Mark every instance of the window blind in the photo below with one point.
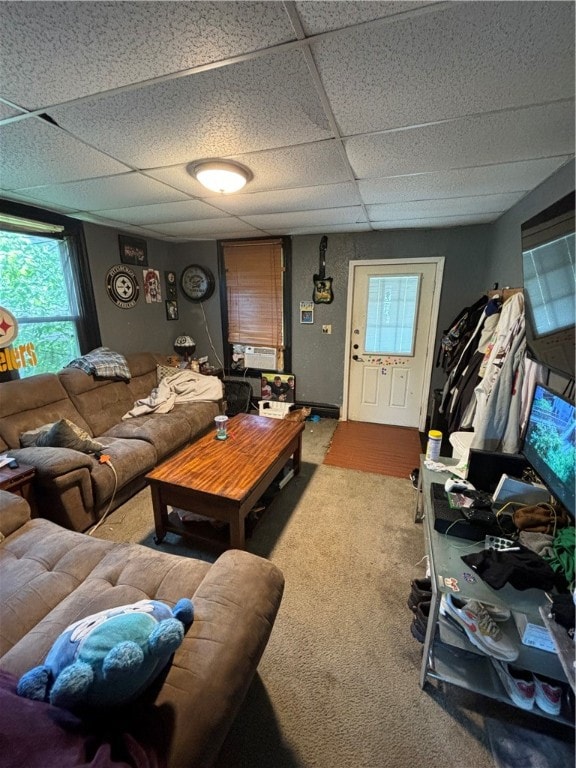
(254, 286)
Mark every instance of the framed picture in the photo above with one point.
(170, 280)
(171, 309)
(278, 386)
(307, 312)
(133, 251)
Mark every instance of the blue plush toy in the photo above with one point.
(109, 658)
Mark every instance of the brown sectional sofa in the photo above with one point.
(51, 577)
(72, 488)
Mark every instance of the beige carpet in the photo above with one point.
(391, 451)
(338, 683)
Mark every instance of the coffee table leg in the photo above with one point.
(297, 455)
(160, 514)
(237, 538)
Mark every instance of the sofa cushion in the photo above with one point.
(129, 459)
(29, 403)
(165, 431)
(165, 370)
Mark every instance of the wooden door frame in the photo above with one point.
(411, 264)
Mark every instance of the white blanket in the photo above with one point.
(182, 387)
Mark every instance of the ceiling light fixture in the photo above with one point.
(221, 176)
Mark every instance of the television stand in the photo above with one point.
(447, 571)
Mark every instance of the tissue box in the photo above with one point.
(534, 635)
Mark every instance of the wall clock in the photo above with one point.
(197, 282)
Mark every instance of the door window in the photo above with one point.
(391, 314)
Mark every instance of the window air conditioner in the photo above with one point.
(263, 358)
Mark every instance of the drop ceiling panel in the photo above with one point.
(319, 230)
(318, 17)
(447, 64)
(435, 221)
(526, 134)
(101, 194)
(55, 52)
(164, 213)
(508, 177)
(466, 206)
(308, 198)
(215, 228)
(303, 165)
(256, 104)
(7, 111)
(34, 152)
(293, 219)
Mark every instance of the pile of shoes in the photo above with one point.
(419, 604)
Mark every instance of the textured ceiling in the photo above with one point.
(352, 116)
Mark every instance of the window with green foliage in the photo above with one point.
(42, 287)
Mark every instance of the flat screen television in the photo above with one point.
(549, 443)
(549, 272)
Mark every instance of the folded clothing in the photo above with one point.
(522, 569)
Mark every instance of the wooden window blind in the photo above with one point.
(254, 288)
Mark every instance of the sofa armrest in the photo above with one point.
(53, 462)
(235, 608)
(14, 512)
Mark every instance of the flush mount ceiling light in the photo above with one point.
(220, 175)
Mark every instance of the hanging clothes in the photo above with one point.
(499, 394)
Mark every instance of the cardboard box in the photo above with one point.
(534, 635)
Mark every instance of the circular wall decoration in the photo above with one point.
(122, 286)
(197, 282)
(8, 327)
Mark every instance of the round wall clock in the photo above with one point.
(197, 282)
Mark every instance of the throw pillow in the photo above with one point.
(109, 658)
(28, 439)
(65, 434)
(165, 370)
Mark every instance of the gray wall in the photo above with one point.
(475, 258)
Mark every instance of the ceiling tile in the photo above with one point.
(100, 194)
(320, 16)
(57, 51)
(291, 219)
(447, 64)
(526, 134)
(308, 198)
(253, 105)
(436, 221)
(217, 228)
(312, 229)
(303, 165)
(7, 111)
(466, 182)
(449, 207)
(163, 213)
(34, 152)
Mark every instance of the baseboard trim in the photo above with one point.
(324, 410)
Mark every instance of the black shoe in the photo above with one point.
(420, 621)
(414, 477)
(420, 591)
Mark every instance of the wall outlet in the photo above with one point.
(326, 329)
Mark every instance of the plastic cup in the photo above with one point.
(221, 427)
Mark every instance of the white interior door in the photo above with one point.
(392, 313)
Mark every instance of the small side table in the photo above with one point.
(19, 481)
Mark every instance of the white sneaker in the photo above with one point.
(548, 695)
(518, 683)
(481, 629)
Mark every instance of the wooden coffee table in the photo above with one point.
(223, 479)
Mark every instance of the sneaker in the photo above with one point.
(497, 613)
(420, 621)
(518, 683)
(548, 695)
(481, 629)
(420, 591)
(414, 478)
